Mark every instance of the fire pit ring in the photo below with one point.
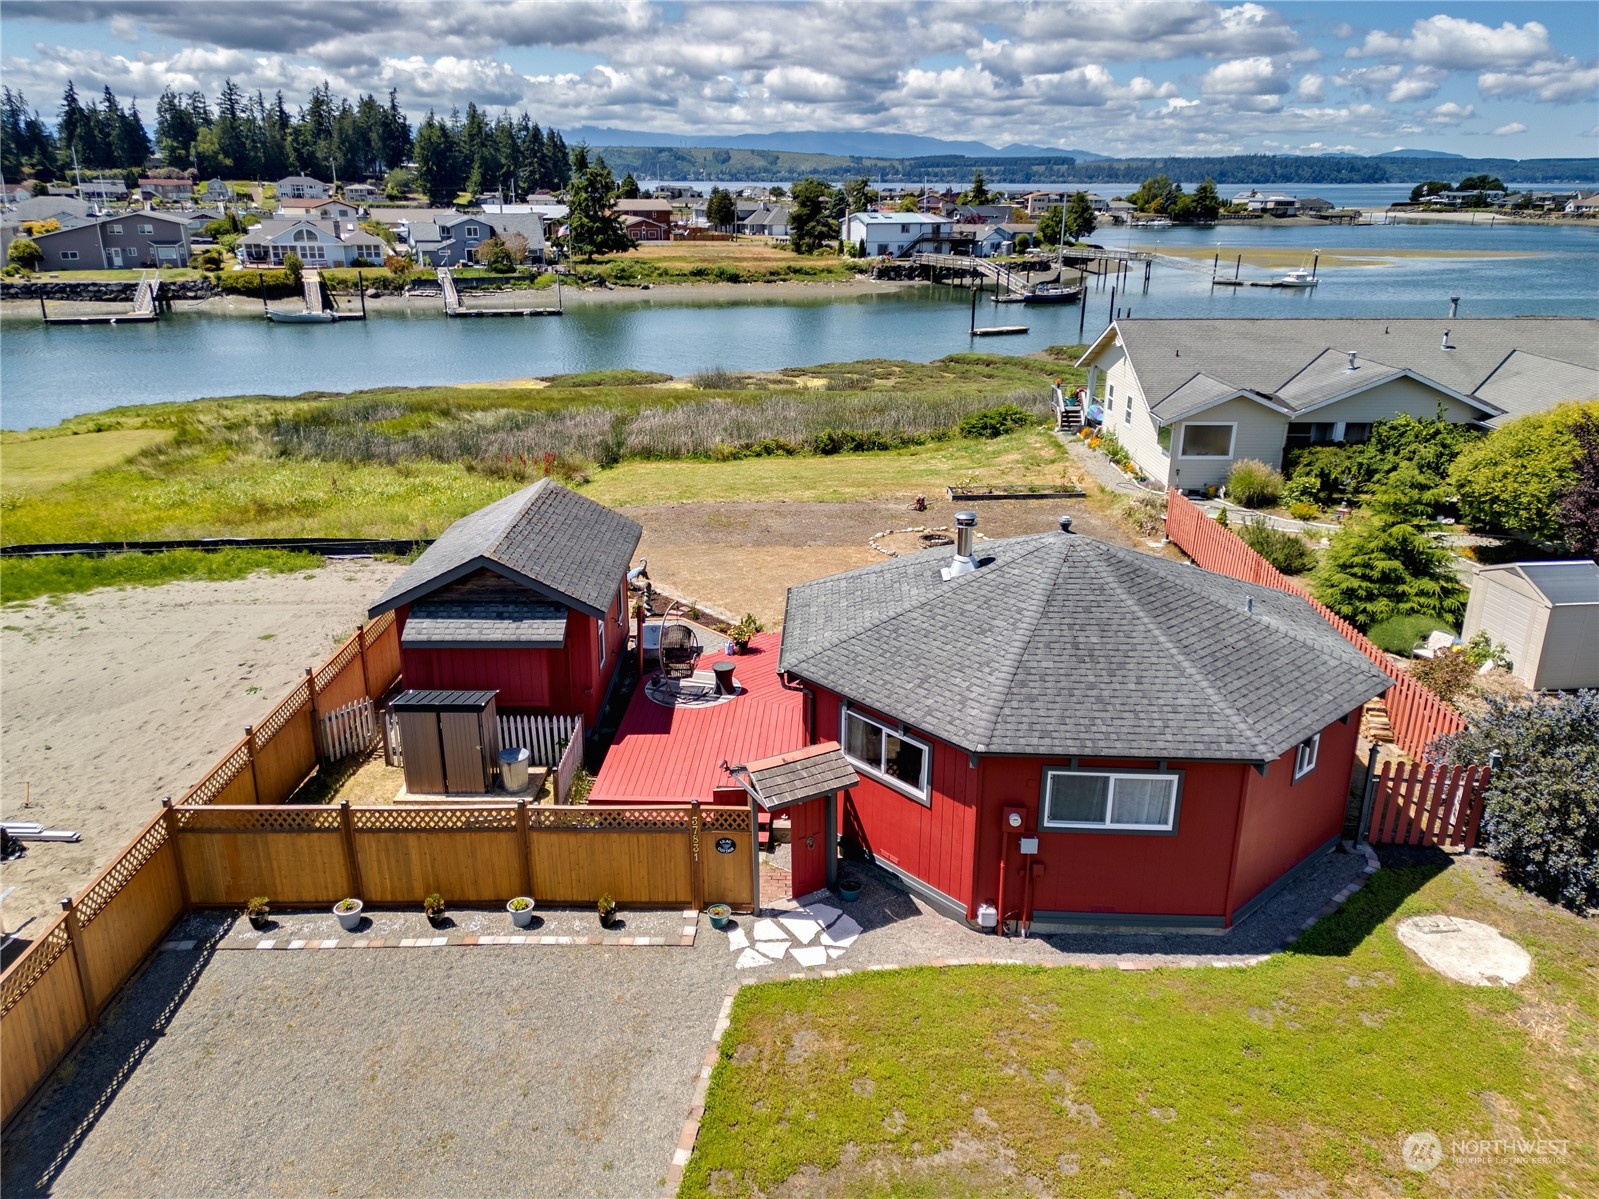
(929, 540)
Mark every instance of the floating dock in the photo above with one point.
(147, 304)
(453, 305)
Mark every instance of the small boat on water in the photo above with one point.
(1298, 278)
(306, 317)
(1154, 222)
(1052, 293)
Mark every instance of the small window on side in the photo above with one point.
(1305, 756)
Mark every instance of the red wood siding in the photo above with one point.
(932, 844)
(1284, 821)
(521, 676)
(1112, 873)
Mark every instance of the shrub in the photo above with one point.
(995, 422)
(716, 379)
(1304, 510)
(1446, 674)
(25, 252)
(1254, 484)
(1482, 650)
(272, 284)
(1513, 480)
(1541, 809)
(1148, 514)
(1114, 450)
(433, 904)
(1288, 552)
(1402, 634)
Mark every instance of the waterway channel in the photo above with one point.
(50, 373)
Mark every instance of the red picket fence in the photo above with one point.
(1418, 804)
(1416, 714)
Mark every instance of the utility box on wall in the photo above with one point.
(450, 741)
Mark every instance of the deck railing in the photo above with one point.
(1417, 715)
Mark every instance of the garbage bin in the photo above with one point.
(513, 768)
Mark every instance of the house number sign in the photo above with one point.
(725, 845)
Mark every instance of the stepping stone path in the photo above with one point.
(823, 933)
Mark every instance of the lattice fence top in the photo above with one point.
(222, 774)
(290, 707)
(121, 872)
(434, 820)
(378, 627)
(736, 819)
(31, 966)
(334, 666)
(671, 820)
(258, 819)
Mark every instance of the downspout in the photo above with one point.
(1238, 836)
(999, 897)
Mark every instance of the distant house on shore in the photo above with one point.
(116, 242)
(302, 187)
(898, 234)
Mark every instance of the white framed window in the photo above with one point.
(1208, 441)
(147, 229)
(69, 255)
(1305, 756)
(470, 231)
(117, 229)
(1127, 412)
(133, 253)
(621, 605)
(599, 631)
(1110, 800)
(887, 754)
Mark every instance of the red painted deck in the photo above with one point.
(675, 755)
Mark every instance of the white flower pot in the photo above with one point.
(351, 920)
(524, 918)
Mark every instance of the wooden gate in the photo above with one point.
(1417, 804)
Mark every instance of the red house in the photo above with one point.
(526, 597)
(1055, 731)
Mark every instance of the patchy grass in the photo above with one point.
(171, 274)
(1302, 1075)
(712, 262)
(36, 463)
(28, 578)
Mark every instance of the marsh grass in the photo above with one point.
(28, 578)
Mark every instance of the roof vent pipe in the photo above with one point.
(1454, 306)
(965, 532)
(1446, 345)
(1065, 524)
(1249, 604)
(1352, 365)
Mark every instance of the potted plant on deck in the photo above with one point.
(349, 913)
(257, 910)
(433, 905)
(849, 889)
(743, 631)
(607, 910)
(521, 909)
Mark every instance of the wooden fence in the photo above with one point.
(348, 730)
(1417, 715)
(275, 756)
(571, 759)
(662, 856)
(1418, 804)
(545, 737)
(55, 991)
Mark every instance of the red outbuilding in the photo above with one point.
(1051, 731)
(526, 597)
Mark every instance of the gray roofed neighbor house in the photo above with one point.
(1060, 645)
(545, 537)
(498, 625)
(1297, 364)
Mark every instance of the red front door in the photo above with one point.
(808, 830)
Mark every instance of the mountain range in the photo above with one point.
(862, 145)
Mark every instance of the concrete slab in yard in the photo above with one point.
(1465, 950)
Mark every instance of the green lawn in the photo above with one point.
(1300, 1076)
(127, 275)
(36, 463)
(28, 578)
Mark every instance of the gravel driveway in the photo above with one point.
(450, 1072)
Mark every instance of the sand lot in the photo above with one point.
(112, 699)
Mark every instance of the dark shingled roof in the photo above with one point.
(1061, 645)
(795, 777)
(444, 625)
(560, 544)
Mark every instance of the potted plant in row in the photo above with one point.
(521, 909)
(720, 914)
(433, 905)
(743, 631)
(607, 910)
(349, 913)
(257, 910)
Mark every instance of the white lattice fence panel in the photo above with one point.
(348, 730)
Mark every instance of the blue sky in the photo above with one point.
(1509, 79)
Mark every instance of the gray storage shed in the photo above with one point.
(1547, 616)
(450, 741)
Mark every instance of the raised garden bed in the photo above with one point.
(1016, 492)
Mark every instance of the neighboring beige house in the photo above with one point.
(1188, 398)
(317, 243)
(1546, 615)
(302, 187)
(319, 210)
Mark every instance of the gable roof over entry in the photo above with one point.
(1060, 645)
(549, 539)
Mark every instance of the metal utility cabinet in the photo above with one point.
(450, 741)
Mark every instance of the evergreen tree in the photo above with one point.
(978, 193)
(437, 172)
(1206, 203)
(1049, 226)
(810, 224)
(592, 226)
(1080, 219)
(721, 209)
(628, 188)
(1156, 194)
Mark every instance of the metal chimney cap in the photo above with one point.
(966, 520)
(1065, 524)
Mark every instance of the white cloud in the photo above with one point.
(1258, 76)
(1553, 82)
(1507, 130)
(1450, 113)
(1310, 87)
